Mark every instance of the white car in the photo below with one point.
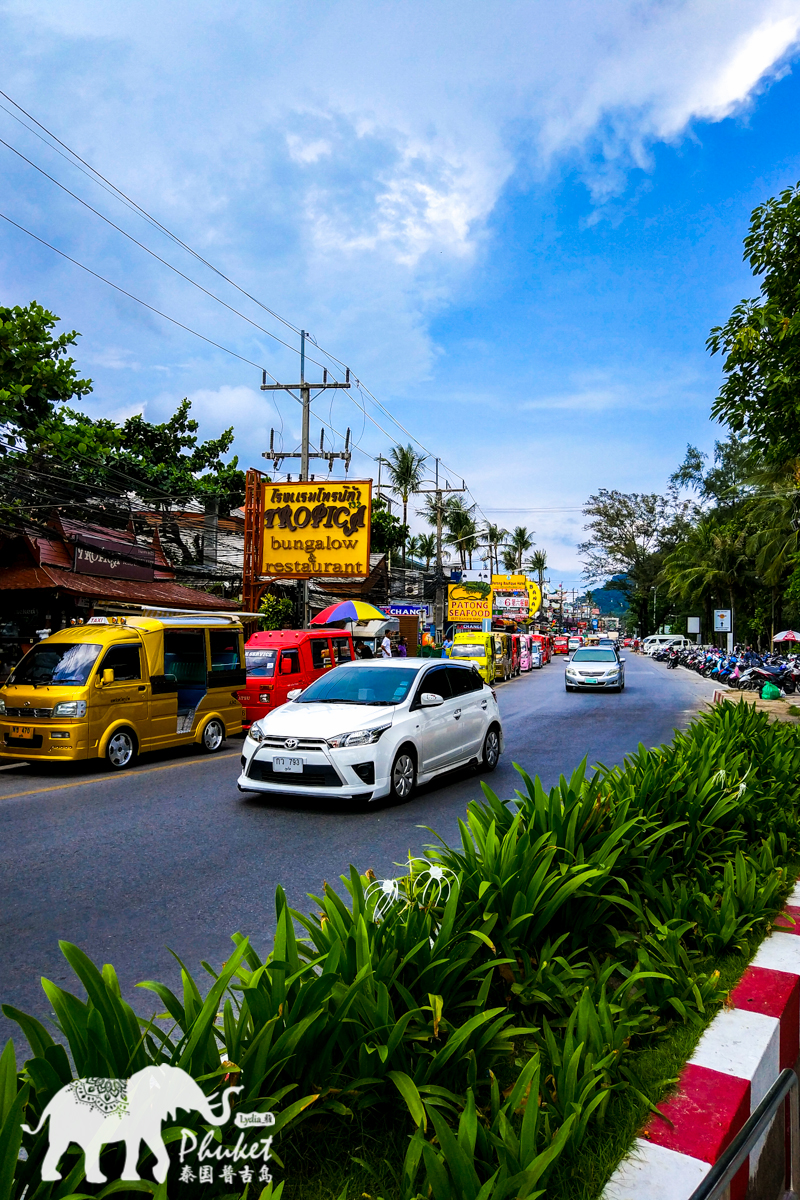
(375, 728)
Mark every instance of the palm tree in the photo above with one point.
(426, 548)
(413, 548)
(462, 532)
(538, 563)
(712, 562)
(405, 472)
(521, 541)
(493, 537)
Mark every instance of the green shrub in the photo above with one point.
(498, 1011)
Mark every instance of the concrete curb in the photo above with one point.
(737, 1059)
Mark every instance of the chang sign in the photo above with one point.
(314, 529)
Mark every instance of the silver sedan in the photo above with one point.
(595, 667)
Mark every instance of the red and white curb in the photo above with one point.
(737, 1060)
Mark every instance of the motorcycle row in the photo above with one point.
(744, 669)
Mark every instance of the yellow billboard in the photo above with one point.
(316, 529)
(469, 602)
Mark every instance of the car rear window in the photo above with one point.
(320, 654)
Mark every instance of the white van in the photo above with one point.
(657, 641)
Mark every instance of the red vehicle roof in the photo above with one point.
(291, 637)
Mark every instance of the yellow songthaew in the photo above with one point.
(120, 685)
(477, 648)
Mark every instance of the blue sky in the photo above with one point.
(516, 223)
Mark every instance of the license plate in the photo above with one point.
(22, 731)
(292, 766)
(590, 681)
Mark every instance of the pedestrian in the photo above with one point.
(402, 648)
(447, 646)
(363, 649)
(386, 646)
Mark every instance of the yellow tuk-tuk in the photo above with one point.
(120, 685)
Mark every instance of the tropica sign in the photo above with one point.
(313, 529)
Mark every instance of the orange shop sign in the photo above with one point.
(464, 604)
(316, 529)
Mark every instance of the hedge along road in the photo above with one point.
(171, 855)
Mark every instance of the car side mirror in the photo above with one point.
(430, 700)
(286, 666)
(623, 660)
(107, 677)
(294, 693)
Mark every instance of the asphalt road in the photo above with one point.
(171, 856)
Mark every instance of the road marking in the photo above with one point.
(58, 787)
(13, 766)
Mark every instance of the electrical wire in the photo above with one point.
(144, 214)
(173, 237)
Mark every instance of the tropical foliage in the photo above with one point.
(494, 1000)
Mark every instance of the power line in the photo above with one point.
(121, 195)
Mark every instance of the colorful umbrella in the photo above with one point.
(788, 635)
(349, 610)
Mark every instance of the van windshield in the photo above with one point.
(66, 663)
(260, 663)
(470, 651)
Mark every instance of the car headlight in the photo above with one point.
(360, 737)
(2, 708)
(70, 708)
(256, 732)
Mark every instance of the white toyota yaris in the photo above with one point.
(375, 728)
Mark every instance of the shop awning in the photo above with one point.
(131, 591)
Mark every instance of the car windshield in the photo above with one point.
(361, 685)
(594, 654)
(468, 651)
(67, 663)
(260, 663)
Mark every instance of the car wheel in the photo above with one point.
(404, 775)
(490, 755)
(121, 750)
(213, 736)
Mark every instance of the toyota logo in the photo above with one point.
(290, 743)
(27, 704)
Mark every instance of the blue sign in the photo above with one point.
(409, 610)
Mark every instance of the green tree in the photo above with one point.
(275, 611)
(36, 374)
(538, 564)
(493, 538)
(386, 530)
(405, 473)
(760, 395)
(519, 544)
(426, 544)
(630, 534)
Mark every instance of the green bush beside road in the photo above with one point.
(488, 1030)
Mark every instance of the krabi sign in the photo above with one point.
(316, 529)
(93, 1113)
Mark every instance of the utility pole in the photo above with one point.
(438, 492)
(305, 389)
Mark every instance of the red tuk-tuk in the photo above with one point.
(560, 644)
(279, 660)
